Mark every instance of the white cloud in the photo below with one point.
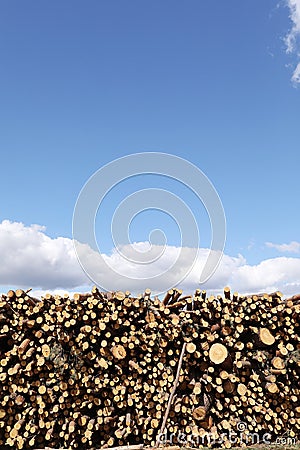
(293, 35)
(30, 258)
(296, 75)
(292, 247)
(270, 275)
(175, 265)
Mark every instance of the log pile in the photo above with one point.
(109, 369)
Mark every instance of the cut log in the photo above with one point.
(118, 351)
(266, 337)
(218, 353)
(191, 347)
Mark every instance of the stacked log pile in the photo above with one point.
(109, 369)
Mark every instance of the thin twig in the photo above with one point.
(173, 390)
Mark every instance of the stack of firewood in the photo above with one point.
(110, 369)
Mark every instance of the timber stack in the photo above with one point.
(110, 369)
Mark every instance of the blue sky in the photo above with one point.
(212, 82)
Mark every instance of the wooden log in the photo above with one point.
(190, 347)
(218, 353)
(278, 363)
(118, 352)
(199, 413)
(266, 337)
(167, 297)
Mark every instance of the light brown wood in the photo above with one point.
(118, 351)
(241, 389)
(278, 363)
(190, 347)
(266, 337)
(218, 353)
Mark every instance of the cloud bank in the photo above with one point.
(30, 258)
